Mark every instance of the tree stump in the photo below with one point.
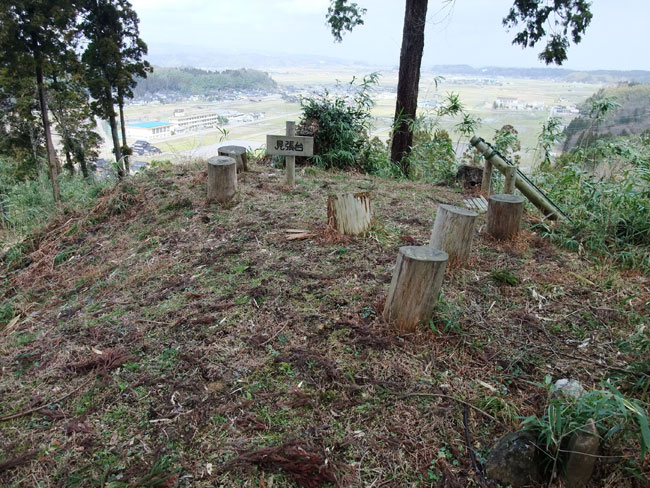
(452, 233)
(413, 293)
(222, 179)
(238, 153)
(510, 173)
(504, 215)
(349, 213)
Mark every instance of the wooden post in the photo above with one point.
(238, 153)
(349, 213)
(452, 233)
(510, 173)
(413, 293)
(290, 161)
(486, 184)
(222, 179)
(504, 215)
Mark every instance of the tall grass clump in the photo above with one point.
(605, 189)
(27, 204)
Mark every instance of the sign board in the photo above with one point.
(290, 145)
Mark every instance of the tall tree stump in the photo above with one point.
(222, 179)
(413, 293)
(238, 153)
(504, 215)
(452, 233)
(349, 213)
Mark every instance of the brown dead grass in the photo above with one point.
(217, 352)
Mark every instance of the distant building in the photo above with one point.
(191, 122)
(149, 130)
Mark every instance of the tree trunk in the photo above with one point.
(69, 165)
(349, 213)
(222, 179)
(504, 216)
(413, 293)
(120, 101)
(117, 149)
(82, 164)
(49, 145)
(452, 233)
(409, 79)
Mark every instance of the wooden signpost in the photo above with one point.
(290, 146)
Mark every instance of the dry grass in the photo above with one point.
(208, 350)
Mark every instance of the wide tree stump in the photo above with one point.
(413, 293)
(452, 233)
(238, 153)
(222, 179)
(504, 215)
(349, 213)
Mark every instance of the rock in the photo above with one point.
(515, 460)
(570, 389)
(583, 452)
(470, 176)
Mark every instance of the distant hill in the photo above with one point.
(632, 117)
(559, 74)
(193, 81)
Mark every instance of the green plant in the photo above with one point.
(616, 417)
(340, 124)
(504, 277)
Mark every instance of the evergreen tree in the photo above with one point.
(34, 34)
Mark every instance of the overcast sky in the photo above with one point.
(471, 33)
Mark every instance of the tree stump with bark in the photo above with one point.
(238, 153)
(413, 293)
(222, 179)
(504, 215)
(452, 233)
(349, 213)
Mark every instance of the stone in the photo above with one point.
(570, 389)
(470, 177)
(583, 453)
(515, 460)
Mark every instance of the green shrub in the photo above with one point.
(340, 125)
(616, 417)
(605, 190)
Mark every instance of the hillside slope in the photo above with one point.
(160, 338)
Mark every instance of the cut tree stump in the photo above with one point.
(504, 216)
(238, 153)
(349, 213)
(222, 179)
(452, 233)
(413, 293)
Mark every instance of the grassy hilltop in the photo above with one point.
(161, 341)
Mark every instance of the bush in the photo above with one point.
(605, 189)
(616, 417)
(340, 125)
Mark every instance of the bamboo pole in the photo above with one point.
(535, 196)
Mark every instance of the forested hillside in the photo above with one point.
(614, 111)
(192, 81)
